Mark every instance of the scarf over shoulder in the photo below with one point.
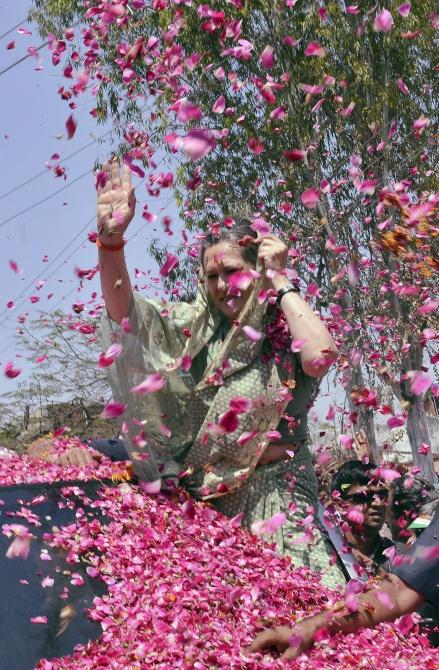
(180, 421)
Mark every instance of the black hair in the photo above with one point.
(410, 499)
(241, 230)
(351, 473)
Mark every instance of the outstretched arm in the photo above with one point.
(116, 206)
(399, 599)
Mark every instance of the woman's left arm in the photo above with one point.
(318, 350)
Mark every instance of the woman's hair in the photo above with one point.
(240, 232)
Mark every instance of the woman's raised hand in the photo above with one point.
(116, 202)
(273, 253)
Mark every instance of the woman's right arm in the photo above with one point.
(116, 207)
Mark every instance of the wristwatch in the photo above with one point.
(286, 289)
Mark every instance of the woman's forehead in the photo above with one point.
(221, 253)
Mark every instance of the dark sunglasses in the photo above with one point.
(366, 497)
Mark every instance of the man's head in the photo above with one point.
(407, 496)
(360, 497)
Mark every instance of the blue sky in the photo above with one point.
(32, 129)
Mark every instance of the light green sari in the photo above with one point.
(179, 421)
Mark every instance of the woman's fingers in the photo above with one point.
(273, 253)
(106, 169)
(115, 175)
(126, 178)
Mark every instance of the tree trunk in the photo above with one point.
(365, 417)
(418, 433)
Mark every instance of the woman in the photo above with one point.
(230, 400)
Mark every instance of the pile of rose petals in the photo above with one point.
(187, 588)
(24, 470)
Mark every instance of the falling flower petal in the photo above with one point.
(241, 280)
(186, 363)
(251, 333)
(170, 264)
(404, 9)
(20, 546)
(70, 127)
(310, 198)
(151, 488)
(10, 371)
(39, 619)
(396, 421)
(229, 421)
(294, 155)
(219, 105)
(261, 226)
(386, 474)
(198, 143)
(276, 521)
(314, 49)
(47, 582)
(246, 436)
(297, 345)
(420, 382)
(240, 404)
(153, 383)
(268, 59)
(355, 516)
(383, 21)
(107, 359)
(113, 410)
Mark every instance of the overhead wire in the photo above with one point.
(17, 25)
(20, 60)
(43, 200)
(75, 288)
(29, 54)
(57, 162)
(60, 253)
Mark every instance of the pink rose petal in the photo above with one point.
(229, 421)
(170, 264)
(420, 382)
(113, 410)
(314, 49)
(268, 58)
(240, 405)
(70, 127)
(219, 105)
(383, 22)
(404, 9)
(198, 143)
(153, 383)
(10, 371)
(251, 333)
(310, 197)
(151, 488)
(39, 619)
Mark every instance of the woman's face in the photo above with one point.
(221, 261)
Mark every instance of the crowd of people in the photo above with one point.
(216, 393)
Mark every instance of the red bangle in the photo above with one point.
(110, 247)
